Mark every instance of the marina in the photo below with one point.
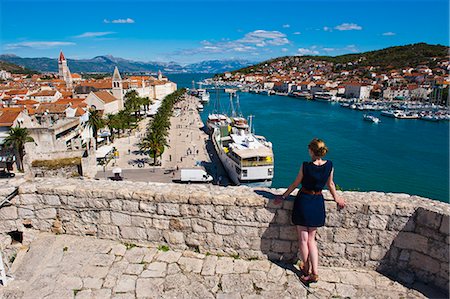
(362, 154)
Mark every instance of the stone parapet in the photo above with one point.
(403, 236)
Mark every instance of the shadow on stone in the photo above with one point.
(418, 255)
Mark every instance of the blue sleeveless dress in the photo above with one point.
(309, 209)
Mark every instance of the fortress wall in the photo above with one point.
(405, 237)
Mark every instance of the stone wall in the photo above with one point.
(405, 237)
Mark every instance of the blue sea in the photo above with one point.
(402, 156)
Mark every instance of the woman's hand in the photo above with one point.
(278, 199)
(340, 202)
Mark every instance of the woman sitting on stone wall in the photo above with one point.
(309, 207)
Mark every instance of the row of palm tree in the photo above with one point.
(155, 139)
(121, 121)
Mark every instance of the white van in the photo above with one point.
(195, 175)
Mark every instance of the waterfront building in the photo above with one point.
(357, 90)
(4, 75)
(63, 70)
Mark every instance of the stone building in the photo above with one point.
(63, 70)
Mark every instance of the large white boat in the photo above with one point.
(203, 95)
(371, 117)
(247, 158)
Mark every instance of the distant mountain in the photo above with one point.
(389, 58)
(106, 64)
(16, 69)
(216, 66)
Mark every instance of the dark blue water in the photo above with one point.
(407, 156)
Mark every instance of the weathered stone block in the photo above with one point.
(141, 221)
(148, 207)
(161, 223)
(130, 205)
(283, 217)
(116, 204)
(239, 214)
(246, 231)
(378, 222)
(377, 253)
(223, 229)
(89, 216)
(445, 226)
(52, 200)
(406, 240)
(108, 232)
(29, 199)
(48, 213)
(133, 233)
(424, 262)
(403, 209)
(188, 210)
(281, 246)
(153, 234)
(223, 199)
(174, 237)
(200, 198)
(271, 232)
(8, 212)
(332, 249)
(382, 208)
(26, 212)
(346, 235)
(202, 226)
(265, 215)
(288, 233)
(169, 209)
(399, 223)
(104, 217)
(120, 218)
(428, 218)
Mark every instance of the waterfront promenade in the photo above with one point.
(187, 148)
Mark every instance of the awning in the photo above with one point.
(102, 151)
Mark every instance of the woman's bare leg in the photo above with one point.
(303, 233)
(313, 251)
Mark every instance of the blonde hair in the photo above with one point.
(318, 147)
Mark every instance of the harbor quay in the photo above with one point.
(72, 238)
(187, 148)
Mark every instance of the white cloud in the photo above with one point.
(119, 21)
(348, 26)
(284, 49)
(286, 26)
(251, 42)
(38, 45)
(327, 29)
(94, 34)
(389, 33)
(328, 49)
(297, 33)
(261, 38)
(352, 48)
(306, 51)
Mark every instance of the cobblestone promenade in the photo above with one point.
(63, 266)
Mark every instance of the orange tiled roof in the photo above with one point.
(17, 92)
(7, 117)
(75, 75)
(79, 112)
(51, 108)
(27, 102)
(43, 93)
(105, 96)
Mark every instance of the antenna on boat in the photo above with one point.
(252, 130)
(238, 106)
(193, 84)
(233, 112)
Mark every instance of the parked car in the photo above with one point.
(195, 175)
(6, 174)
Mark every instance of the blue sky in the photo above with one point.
(191, 31)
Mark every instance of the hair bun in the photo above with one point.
(318, 147)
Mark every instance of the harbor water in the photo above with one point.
(397, 155)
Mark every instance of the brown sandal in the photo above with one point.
(302, 267)
(310, 278)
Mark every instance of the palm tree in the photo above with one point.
(112, 123)
(154, 142)
(17, 138)
(95, 122)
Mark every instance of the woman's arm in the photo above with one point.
(332, 187)
(291, 188)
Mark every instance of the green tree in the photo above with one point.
(17, 137)
(112, 123)
(154, 142)
(95, 122)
